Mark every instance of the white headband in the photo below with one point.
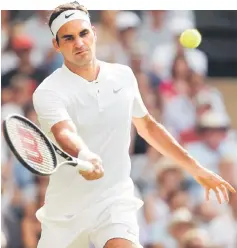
(68, 16)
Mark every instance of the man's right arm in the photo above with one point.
(65, 134)
(53, 117)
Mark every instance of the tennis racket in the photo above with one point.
(34, 150)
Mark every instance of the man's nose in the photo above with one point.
(79, 42)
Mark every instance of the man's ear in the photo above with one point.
(94, 31)
(55, 45)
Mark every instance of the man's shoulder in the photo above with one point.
(50, 86)
(51, 81)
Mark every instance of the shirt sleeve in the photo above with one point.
(139, 108)
(49, 108)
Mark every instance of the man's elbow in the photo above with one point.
(148, 127)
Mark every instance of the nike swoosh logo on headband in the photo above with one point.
(67, 16)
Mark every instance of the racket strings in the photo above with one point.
(31, 146)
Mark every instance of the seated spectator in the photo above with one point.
(155, 31)
(196, 238)
(212, 129)
(179, 199)
(228, 169)
(22, 87)
(178, 110)
(163, 56)
(178, 82)
(223, 231)
(107, 35)
(206, 97)
(5, 26)
(143, 171)
(30, 225)
(169, 178)
(127, 23)
(181, 222)
(169, 233)
(206, 211)
(22, 45)
(9, 56)
(43, 52)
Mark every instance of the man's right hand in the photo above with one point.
(96, 173)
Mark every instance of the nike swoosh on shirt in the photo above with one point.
(69, 216)
(116, 90)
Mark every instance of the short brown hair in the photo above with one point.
(64, 7)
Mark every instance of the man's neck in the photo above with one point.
(88, 72)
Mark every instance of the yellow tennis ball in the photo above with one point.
(190, 38)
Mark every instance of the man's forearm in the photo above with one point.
(159, 138)
(70, 142)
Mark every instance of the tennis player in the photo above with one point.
(87, 107)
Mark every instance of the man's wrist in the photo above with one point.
(86, 154)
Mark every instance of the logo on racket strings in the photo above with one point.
(30, 145)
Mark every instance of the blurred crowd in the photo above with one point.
(172, 82)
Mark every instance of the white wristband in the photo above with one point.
(86, 155)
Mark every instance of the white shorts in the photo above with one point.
(95, 225)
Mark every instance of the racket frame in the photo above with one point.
(83, 165)
(15, 152)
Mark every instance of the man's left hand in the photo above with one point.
(211, 181)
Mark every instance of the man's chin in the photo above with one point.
(83, 60)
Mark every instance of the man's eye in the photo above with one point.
(84, 33)
(69, 38)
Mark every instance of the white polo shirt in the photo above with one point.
(102, 112)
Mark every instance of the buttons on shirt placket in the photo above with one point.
(98, 97)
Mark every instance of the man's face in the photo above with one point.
(76, 42)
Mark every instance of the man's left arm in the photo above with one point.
(158, 137)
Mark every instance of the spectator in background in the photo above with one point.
(137, 58)
(9, 56)
(127, 23)
(205, 212)
(223, 231)
(206, 96)
(107, 35)
(228, 169)
(177, 84)
(179, 112)
(196, 238)
(22, 88)
(5, 26)
(175, 89)
(6, 95)
(44, 55)
(150, 98)
(179, 199)
(154, 30)
(169, 234)
(212, 129)
(23, 45)
(169, 178)
(143, 171)
(181, 222)
(164, 54)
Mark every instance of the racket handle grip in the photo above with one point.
(84, 165)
